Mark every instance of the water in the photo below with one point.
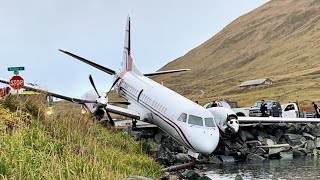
(301, 168)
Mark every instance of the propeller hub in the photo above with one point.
(102, 100)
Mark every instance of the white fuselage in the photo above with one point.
(162, 106)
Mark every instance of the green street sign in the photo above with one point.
(15, 68)
(16, 72)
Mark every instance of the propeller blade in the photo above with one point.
(110, 118)
(120, 102)
(93, 85)
(114, 83)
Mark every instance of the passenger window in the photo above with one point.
(183, 117)
(195, 120)
(209, 122)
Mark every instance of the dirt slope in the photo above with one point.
(279, 40)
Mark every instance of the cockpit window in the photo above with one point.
(209, 122)
(195, 120)
(183, 117)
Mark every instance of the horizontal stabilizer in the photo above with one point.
(166, 72)
(76, 100)
(102, 68)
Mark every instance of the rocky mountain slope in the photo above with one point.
(279, 40)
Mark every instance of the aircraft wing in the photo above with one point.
(67, 98)
(109, 107)
(122, 111)
(246, 120)
(166, 72)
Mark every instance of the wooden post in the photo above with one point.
(179, 167)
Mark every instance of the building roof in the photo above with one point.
(254, 82)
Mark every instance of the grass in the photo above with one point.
(67, 146)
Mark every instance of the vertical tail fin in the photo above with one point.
(127, 62)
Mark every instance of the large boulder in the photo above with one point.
(315, 131)
(276, 150)
(292, 136)
(245, 151)
(254, 143)
(182, 157)
(268, 142)
(158, 137)
(286, 155)
(238, 177)
(165, 158)
(317, 142)
(214, 160)
(246, 136)
(297, 153)
(227, 159)
(260, 151)
(204, 178)
(273, 138)
(254, 157)
(308, 136)
(237, 146)
(290, 128)
(192, 175)
(279, 133)
(310, 145)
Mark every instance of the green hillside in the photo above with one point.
(66, 146)
(279, 40)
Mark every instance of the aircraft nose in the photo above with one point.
(205, 141)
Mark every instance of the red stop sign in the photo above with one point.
(16, 82)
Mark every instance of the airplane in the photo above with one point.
(188, 123)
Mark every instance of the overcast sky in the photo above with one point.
(31, 32)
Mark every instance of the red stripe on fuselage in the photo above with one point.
(122, 73)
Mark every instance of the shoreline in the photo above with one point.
(255, 143)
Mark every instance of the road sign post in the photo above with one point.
(15, 68)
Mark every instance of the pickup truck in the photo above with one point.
(291, 110)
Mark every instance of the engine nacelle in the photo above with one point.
(226, 119)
